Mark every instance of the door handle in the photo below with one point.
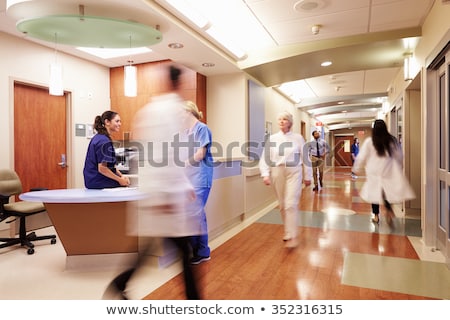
(63, 163)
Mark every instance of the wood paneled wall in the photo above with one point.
(152, 80)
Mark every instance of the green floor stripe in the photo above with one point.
(409, 276)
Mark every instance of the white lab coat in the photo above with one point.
(169, 208)
(382, 174)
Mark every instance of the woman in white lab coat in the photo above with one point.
(381, 157)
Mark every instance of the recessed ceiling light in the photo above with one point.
(208, 64)
(341, 102)
(175, 45)
(326, 63)
(106, 53)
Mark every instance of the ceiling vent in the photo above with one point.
(308, 5)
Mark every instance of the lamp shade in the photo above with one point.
(56, 80)
(130, 81)
(407, 67)
(89, 31)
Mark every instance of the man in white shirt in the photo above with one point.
(318, 150)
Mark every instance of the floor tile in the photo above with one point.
(415, 277)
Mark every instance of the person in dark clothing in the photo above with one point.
(100, 165)
(354, 151)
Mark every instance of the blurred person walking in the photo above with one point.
(166, 208)
(281, 165)
(382, 158)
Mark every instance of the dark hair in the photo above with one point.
(174, 73)
(382, 140)
(99, 122)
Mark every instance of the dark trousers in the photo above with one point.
(182, 243)
(376, 206)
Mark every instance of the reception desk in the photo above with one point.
(90, 223)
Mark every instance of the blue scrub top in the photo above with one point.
(355, 149)
(100, 150)
(201, 174)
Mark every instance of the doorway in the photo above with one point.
(40, 142)
(443, 127)
(39, 138)
(342, 150)
(437, 155)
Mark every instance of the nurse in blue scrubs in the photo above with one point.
(199, 170)
(100, 165)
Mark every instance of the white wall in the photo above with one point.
(435, 27)
(227, 103)
(276, 103)
(27, 62)
(227, 112)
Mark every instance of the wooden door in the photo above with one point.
(342, 151)
(39, 138)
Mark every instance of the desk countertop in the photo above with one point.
(83, 195)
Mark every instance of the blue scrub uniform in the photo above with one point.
(201, 176)
(100, 150)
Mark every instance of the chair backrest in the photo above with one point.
(9, 183)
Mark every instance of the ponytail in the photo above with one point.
(99, 122)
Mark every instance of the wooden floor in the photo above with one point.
(254, 264)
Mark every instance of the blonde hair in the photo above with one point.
(193, 109)
(288, 116)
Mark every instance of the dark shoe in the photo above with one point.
(316, 188)
(114, 291)
(199, 259)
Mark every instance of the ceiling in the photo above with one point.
(365, 40)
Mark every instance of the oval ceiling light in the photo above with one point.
(77, 30)
(326, 63)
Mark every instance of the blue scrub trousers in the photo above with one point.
(200, 243)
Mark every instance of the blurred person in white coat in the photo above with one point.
(382, 158)
(281, 165)
(165, 208)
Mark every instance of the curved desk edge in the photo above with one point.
(83, 195)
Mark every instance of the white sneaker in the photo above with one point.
(291, 243)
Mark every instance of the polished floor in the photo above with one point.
(341, 255)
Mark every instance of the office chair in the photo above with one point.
(10, 185)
